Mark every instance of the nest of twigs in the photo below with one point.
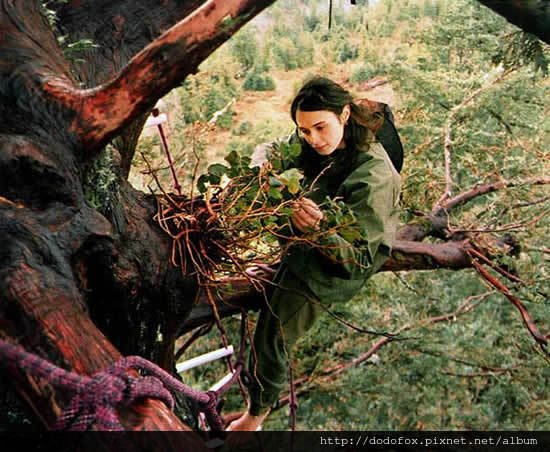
(243, 217)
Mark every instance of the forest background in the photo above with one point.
(442, 65)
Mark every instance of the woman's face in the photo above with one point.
(323, 129)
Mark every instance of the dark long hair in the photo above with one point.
(321, 93)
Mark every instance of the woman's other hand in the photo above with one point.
(306, 215)
(260, 271)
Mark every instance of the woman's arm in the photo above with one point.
(372, 193)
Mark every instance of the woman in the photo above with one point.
(340, 154)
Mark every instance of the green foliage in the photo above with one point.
(438, 378)
(312, 22)
(202, 96)
(244, 48)
(290, 179)
(287, 180)
(258, 82)
(345, 50)
(243, 129)
(431, 8)
(72, 50)
(257, 202)
(339, 216)
(522, 49)
(285, 54)
(225, 120)
(466, 35)
(50, 14)
(289, 54)
(101, 182)
(363, 73)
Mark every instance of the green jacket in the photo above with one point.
(369, 185)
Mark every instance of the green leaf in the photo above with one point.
(274, 182)
(213, 179)
(274, 194)
(287, 211)
(217, 169)
(291, 178)
(290, 151)
(201, 183)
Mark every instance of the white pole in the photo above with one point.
(203, 359)
(156, 120)
(223, 381)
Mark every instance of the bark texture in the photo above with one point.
(80, 285)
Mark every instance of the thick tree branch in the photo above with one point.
(103, 112)
(408, 255)
(532, 16)
(120, 30)
(436, 223)
(42, 307)
(483, 189)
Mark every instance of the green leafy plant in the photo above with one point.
(258, 82)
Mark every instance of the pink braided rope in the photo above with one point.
(97, 396)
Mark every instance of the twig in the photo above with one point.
(508, 227)
(543, 249)
(195, 170)
(153, 174)
(330, 374)
(529, 203)
(527, 319)
(495, 267)
(483, 189)
(199, 332)
(461, 360)
(411, 288)
(447, 140)
(492, 373)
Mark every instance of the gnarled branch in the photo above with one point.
(120, 30)
(532, 16)
(483, 189)
(152, 73)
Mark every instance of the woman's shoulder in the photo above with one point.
(373, 166)
(376, 156)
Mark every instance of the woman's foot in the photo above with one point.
(247, 423)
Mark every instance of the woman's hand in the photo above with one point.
(306, 215)
(260, 271)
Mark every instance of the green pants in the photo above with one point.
(292, 310)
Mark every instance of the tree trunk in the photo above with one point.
(77, 286)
